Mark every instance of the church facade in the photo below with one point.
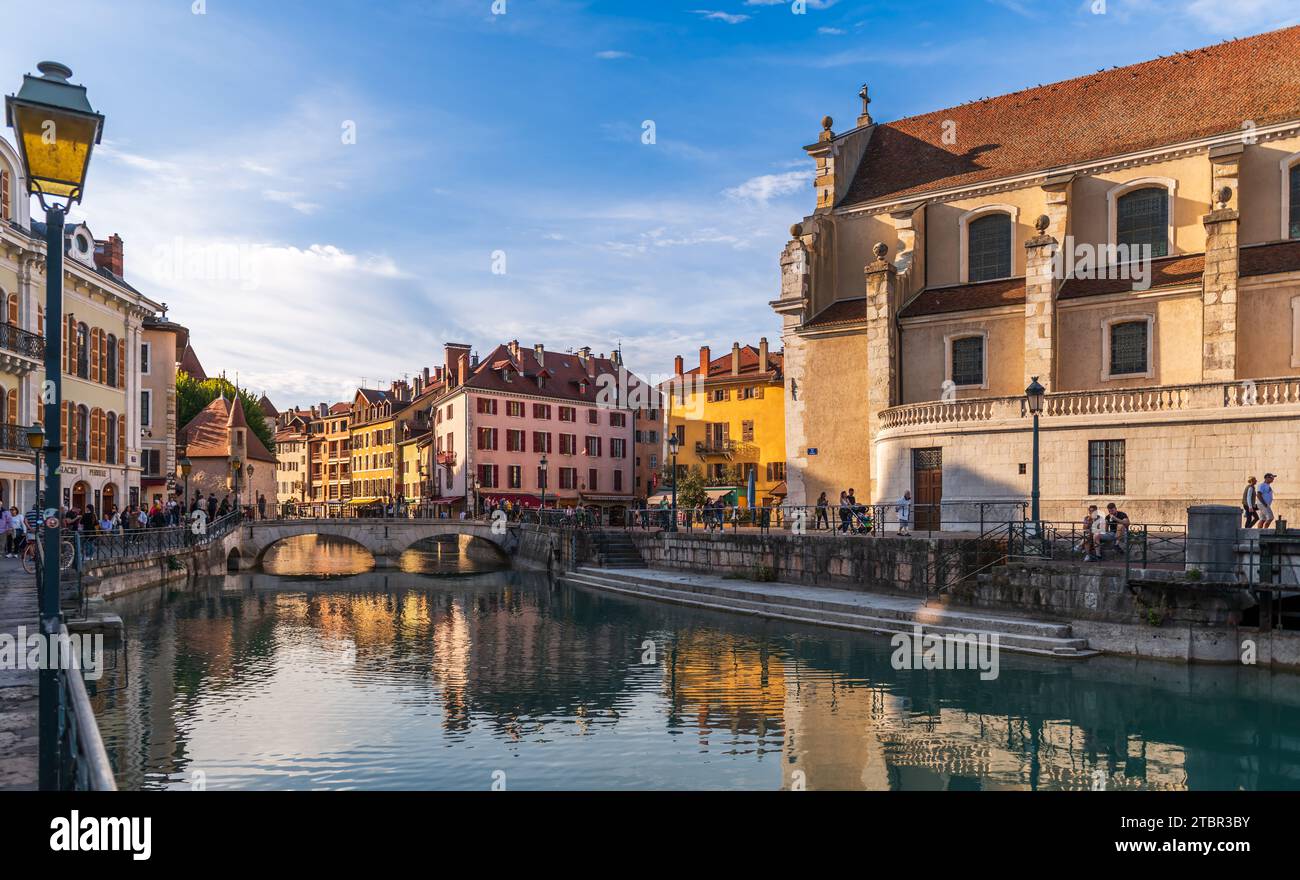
(1131, 238)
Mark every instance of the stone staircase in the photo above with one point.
(618, 550)
(843, 609)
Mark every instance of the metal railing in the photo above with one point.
(83, 761)
(22, 342)
(13, 438)
(860, 519)
(105, 547)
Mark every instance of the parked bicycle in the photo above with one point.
(67, 555)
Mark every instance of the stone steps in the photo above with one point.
(855, 611)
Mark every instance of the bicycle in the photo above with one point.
(67, 555)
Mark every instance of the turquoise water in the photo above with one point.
(402, 680)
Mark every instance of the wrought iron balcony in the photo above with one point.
(726, 448)
(447, 458)
(20, 351)
(13, 441)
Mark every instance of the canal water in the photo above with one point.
(445, 674)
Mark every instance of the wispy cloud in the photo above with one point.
(1240, 17)
(612, 55)
(728, 17)
(765, 187)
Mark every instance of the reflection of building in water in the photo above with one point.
(725, 684)
(829, 737)
(960, 749)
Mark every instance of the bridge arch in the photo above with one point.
(385, 539)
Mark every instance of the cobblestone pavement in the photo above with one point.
(18, 695)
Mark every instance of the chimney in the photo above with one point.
(323, 409)
(108, 255)
(452, 352)
(762, 355)
(424, 374)
(705, 357)
(678, 364)
(735, 358)
(417, 386)
(514, 349)
(617, 357)
(461, 369)
(540, 354)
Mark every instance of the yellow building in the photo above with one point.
(729, 417)
(381, 420)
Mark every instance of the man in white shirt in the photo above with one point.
(1264, 501)
(904, 508)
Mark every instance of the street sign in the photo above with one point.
(52, 522)
(812, 450)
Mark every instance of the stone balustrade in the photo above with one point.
(1120, 401)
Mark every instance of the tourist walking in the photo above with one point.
(1264, 501)
(212, 506)
(261, 506)
(904, 510)
(19, 532)
(6, 526)
(823, 514)
(1249, 503)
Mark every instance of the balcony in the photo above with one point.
(20, 351)
(1143, 404)
(13, 442)
(447, 458)
(711, 448)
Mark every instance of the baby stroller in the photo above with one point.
(861, 522)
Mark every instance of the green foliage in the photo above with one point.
(192, 396)
(690, 489)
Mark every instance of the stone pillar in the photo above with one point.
(1211, 540)
(794, 307)
(882, 344)
(1040, 305)
(1219, 283)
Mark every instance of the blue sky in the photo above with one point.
(308, 264)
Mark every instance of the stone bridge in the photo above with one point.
(386, 539)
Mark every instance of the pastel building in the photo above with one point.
(502, 414)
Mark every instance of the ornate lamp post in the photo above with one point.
(36, 439)
(56, 131)
(1035, 396)
(672, 449)
(236, 470)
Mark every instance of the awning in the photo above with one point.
(779, 490)
(622, 499)
(445, 499)
(360, 501)
(715, 494)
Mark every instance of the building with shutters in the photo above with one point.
(1131, 238)
(103, 334)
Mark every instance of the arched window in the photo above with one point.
(83, 433)
(1142, 218)
(110, 439)
(83, 351)
(110, 348)
(987, 237)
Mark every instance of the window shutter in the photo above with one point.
(103, 356)
(121, 363)
(12, 312)
(63, 427)
(94, 435)
(94, 354)
(40, 320)
(12, 403)
(4, 194)
(67, 340)
(121, 440)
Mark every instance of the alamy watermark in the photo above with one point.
(35, 650)
(921, 650)
(1113, 262)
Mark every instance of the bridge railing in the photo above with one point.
(104, 547)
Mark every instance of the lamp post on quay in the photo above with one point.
(672, 449)
(541, 514)
(56, 131)
(36, 439)
(1035, 396)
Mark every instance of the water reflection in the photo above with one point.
(388, 680)
(322, 556)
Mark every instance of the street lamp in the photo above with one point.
(36, 439)
(1035, 396)
(672, 449)
(541, 513)
(236, 466)
(56, 131)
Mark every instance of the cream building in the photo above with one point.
(103, 332)
(954, 255)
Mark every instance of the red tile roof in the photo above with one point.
(1165, 272)
(720, 367)
(963, 297)
(190, 364)
(845, 311)
(1182, 97)
(1270, 259)
(208, 436)
(562, 372)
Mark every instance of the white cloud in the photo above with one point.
(612, 55)
(728, 17)
(769, 186)
(831, 31)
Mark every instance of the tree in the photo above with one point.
(192, 396)
(690, 489)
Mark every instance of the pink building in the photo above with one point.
(506, 412)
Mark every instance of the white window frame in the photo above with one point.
(146, 409)
(1113, 194)
(1288, 162)
(948, 340)
(146, 356)
(1106, 324)
(963, 225)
